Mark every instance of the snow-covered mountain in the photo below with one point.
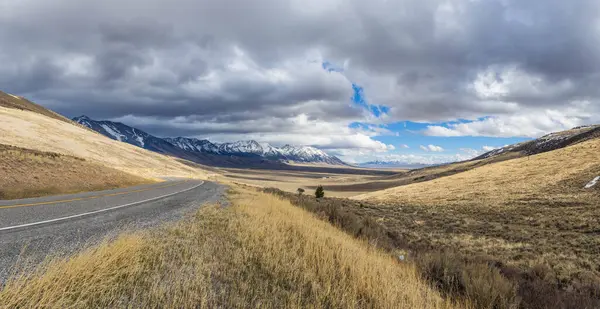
(251, 148)
(309, 154)
(241, 148)
(187, 148)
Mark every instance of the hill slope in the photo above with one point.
(12, 101)
(28, 173)
(557, 175)
(33, 130)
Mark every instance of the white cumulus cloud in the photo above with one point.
(527, 124)
(432, 148)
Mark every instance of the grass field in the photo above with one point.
(30, 173)
(527, 212)
(258, 252)
(530, 257)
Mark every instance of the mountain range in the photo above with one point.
(207, 152)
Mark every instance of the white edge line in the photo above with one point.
(8, 228)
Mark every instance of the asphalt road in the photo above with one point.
(31, 229)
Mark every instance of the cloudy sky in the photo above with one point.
(420, 81)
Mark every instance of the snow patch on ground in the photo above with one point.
(139, 139)
(112, 132)
(592, 183)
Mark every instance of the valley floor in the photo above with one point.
(309, 177)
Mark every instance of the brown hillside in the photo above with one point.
(30, 173)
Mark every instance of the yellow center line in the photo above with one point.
(89, 197)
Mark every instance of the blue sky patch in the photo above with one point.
(358, 98)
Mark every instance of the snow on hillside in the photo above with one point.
(305, 154)
(115, 130)
(241, 148)
(194, 144)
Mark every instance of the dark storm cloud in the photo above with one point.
(231, 61)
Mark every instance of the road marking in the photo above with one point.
(8, 228)
(89, 197)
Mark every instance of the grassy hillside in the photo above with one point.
(20, 103)
(525, 257)
(37, 131)
(258, 252)
(530, 216)
(552, 177)
(30, 173)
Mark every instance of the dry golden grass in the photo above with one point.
(543, 256)
(556, 176)
(12, 101)
(30, 173)
(259, 252)
(36, 131)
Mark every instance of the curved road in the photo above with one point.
(31, 229)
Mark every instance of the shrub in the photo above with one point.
(319, 193)
(480, 284)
